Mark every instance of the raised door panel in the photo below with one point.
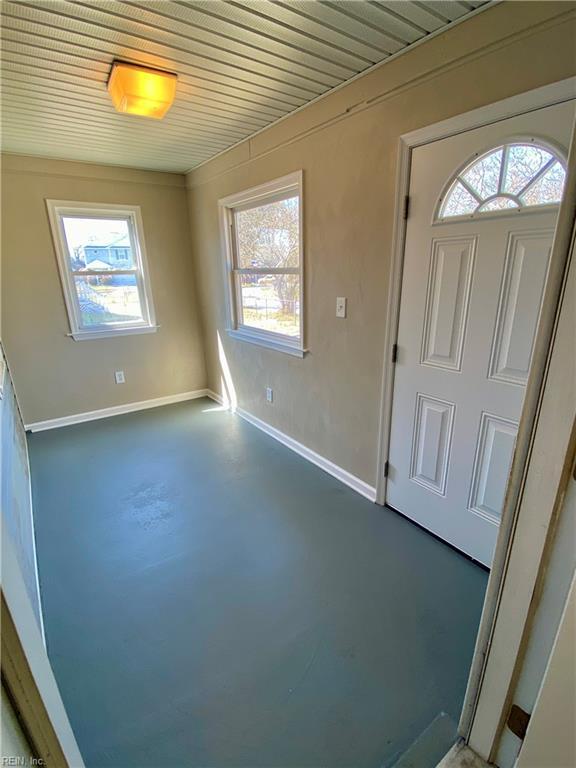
(448, 297)
(432, 436)
(496, 438)
(524, 276)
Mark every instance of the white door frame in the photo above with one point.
(539, 98)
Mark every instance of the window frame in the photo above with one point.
(558, 153)
(57, 210)
(290, 185)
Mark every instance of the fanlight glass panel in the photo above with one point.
(483, 176)
(508, 177)
(459, 202)
(498, 204)
(548, 188)
(524, 162)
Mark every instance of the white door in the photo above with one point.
(482, 212)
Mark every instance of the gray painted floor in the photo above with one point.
(212, 599)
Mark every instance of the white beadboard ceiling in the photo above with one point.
(241, 65)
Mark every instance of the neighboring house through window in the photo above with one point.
(262, 232)
(101, 257)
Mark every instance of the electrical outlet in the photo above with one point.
(341, 306)
(269, 394)
(119, 376)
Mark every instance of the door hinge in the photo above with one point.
(394, 353)
(386, 468)
(518, 721)
(406, 209)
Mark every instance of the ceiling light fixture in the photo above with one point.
(140, 90)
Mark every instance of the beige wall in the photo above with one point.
(347, 145)
(54, 375)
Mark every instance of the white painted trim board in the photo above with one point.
(115, 410)
(358, 485)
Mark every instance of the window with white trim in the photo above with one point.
(508, 178)
(102, 263)
(262, 229)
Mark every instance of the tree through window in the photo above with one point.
(268, 238)
(265, 263)
(509, 177)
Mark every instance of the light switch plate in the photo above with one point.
(341, 306)
(119, 376)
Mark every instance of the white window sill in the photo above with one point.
(107, 333)
(278, 346)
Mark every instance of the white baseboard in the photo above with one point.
(104, 413)
(328, 466)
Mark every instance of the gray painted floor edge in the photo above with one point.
(213, 600)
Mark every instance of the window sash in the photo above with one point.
(254, 329)
(236, 247)
(131, 215)
(102, 272)
(266, 199)
(136, 271)
(266, 270)
(110, 325)
(275, 191)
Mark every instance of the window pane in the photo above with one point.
(499, 204)
(524, 162)
(271, 303)
(459, 202)
(483, 176)
(548, 189)
(268, 236)
(108, 299)
(98, 243)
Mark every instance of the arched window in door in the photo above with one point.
(506, 178)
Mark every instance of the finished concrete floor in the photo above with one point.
(212, 600)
